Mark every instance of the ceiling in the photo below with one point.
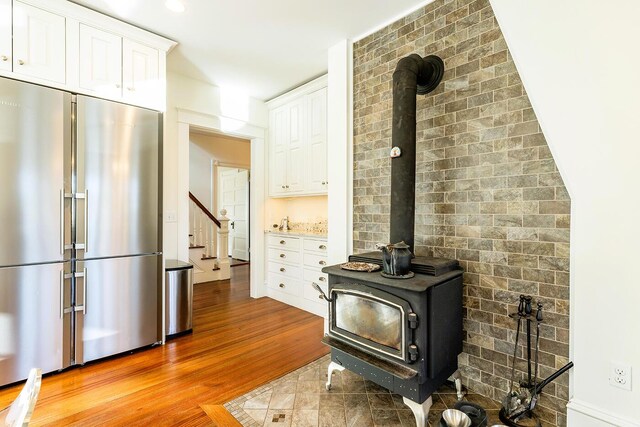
(262, 48)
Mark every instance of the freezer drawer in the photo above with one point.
(118, 179)
(117, 305)
(34, 330)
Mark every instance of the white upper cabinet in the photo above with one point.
(100, 62)
(38, 43)
(296, 149)
(64, 45)
(298, 142)
(140, 76)
(6, 49)
(317, 147)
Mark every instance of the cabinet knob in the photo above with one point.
(322, 262)
(281, 285)
(4, 58)
(322, 279)
(20, 61)
(323, 247)
(323, 183)
(283, 186)
(282, 269)
(131, 89)
(282, 242)
(118, 86)
(287, 186)
(283, 256)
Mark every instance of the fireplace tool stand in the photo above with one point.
(517, 406)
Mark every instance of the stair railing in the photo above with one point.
(210, 232)
(203, 227)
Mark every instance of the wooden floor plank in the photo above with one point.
(238, 343)
(220, 416)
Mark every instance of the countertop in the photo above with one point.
(297, 233)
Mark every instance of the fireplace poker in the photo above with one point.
(527, 312)
(534, 397)
(510, 401)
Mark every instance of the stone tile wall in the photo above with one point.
(487, 193)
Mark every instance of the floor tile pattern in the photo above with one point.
(299, 399)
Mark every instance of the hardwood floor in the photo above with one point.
(238, 343)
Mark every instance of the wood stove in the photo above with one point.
(404, 335)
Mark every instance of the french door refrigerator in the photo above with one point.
(80, 239)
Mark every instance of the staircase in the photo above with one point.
(208, 243)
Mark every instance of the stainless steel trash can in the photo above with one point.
(178, 297)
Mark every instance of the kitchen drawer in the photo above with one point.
(285, 269)
(315, 276)
(291, 243)
(311, 294)
(285, 284)
(315, 245)
(284, 255)
(314, 260)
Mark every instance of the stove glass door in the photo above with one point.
(370, 319)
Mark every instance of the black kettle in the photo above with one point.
(396, 258)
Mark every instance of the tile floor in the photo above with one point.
(299, 399)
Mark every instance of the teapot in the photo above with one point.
(396, 258)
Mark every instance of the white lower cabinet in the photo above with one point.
(294, 264)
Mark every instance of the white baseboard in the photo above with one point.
(583, 414)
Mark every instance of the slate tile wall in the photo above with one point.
(487, 189)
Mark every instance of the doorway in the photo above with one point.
(219, 170)
(233, 193)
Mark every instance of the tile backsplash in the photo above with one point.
(488, 192)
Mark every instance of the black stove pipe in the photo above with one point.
(413, 75)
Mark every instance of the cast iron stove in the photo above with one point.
(404, 335)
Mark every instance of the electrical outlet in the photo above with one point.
(620, 375)
(171, 216)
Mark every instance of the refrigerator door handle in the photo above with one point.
(62, 222)
(62, 293)
(84, 196)
(82, 274)
(86, 219)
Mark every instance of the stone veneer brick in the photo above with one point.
(487, 189)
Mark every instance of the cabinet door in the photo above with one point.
(100, 62)
(38, 43)
(5, 35)
(316, 171)
(278, 131)
(140, 77)
(296, 147)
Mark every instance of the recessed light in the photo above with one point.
(174, 5)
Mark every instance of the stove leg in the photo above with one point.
(420, 410)
(457, 378)
(333, 366)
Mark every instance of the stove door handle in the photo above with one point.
(322, 294)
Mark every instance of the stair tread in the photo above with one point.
(196, 247)
(208, 257)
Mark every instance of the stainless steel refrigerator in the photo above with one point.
(80, 234)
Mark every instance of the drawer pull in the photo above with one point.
(322, 262)
(323, 247)
(282, 269)
(282, 242)
(281, 285)
(322, 279)
(283, 256)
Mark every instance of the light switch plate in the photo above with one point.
(171, 217)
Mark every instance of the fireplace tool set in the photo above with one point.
(518, 404)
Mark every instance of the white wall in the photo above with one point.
(205, 104)
(201, 175)
(579, 63)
